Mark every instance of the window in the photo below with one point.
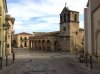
(64, 17)
(7, 45)
(0, 10)
(20, 38)
(82, 43)
(76, 33)
(75, 17)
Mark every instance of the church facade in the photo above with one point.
(69, 38)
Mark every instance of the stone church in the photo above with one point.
(69, 38)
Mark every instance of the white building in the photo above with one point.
(92, 29)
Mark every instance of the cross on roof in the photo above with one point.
(65, 4)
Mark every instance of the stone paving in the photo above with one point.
(29, 62)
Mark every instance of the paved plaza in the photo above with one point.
(39, 62)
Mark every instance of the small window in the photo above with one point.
(76, 33)
(82, 43)
(7, 45)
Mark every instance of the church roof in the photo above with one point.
(66, 9)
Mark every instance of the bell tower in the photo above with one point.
(69, 24)
(64, 19)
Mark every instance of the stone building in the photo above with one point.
(9, 34)
(22, 40)
(69, 38)
(45, 41)
(92, 29)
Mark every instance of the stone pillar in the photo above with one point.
(29, 44)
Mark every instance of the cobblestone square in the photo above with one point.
(38, 62)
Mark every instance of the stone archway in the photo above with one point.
(56, 45)
(48, 45)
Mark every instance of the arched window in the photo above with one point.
(64, 17)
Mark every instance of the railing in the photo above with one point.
(88, 60)
(13, 59)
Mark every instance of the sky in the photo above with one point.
(42, 15)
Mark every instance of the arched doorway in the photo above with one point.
(25, 44)
(48, 45)
(43, 44)
(39, 44)
(56, 45)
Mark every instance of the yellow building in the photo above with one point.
(22, 40)
(9, 34)
(3, 11)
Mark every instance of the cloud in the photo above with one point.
(41, 15)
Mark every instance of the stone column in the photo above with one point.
(30, 44)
